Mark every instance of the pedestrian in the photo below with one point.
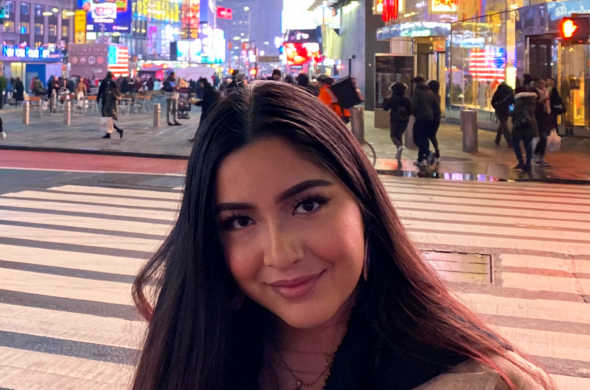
(288, 268)
(544, 121)
(328, 97)
(289, 79)
(502, 101)
(81, 90)
(524, 126)
(38, 88)
(434, 87)
(422, 109)
(104, 84)
(236, 84)
(210, 98)
(557, 107)
(150, 84)
(303, 82)
(171, 90)
(19, 90)
(399, 116)
(110, 108)
(276, 75)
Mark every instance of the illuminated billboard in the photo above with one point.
(299, 53)
(208, 49)
(108, 16)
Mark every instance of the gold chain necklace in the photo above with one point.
(301, 384)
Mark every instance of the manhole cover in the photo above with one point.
(461, 267)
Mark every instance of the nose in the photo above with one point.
(282, 249)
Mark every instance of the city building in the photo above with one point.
(33, 37)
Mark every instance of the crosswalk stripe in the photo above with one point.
(490, 216)
(69, 326)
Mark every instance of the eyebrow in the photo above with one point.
(288, 193)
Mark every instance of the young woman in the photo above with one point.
(111, 106)
(288, 268)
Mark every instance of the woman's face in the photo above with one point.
(291, 232)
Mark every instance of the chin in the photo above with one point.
(307, 315)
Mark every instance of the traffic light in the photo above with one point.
(253, 72)
(575, 29)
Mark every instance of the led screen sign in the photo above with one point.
(11, 51)
(108, 16)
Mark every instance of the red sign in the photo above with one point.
(224, 13)
(299, 53)
(390, 8)
(575, 29)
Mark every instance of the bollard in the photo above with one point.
(52, 105)
(67, 112)
(25, 113)
(469, 129)
(157, 115)
(358, 122)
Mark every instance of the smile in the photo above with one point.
(298, 287)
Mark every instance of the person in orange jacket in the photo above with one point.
(329, 99)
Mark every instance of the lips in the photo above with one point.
(297, 287)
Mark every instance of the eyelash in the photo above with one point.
(227, 224)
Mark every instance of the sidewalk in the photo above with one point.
(47, 133)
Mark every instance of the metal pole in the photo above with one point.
(67, 112)
(358, 122)
(350, 67)
(25, 113)
(469, 129)
(157, 115)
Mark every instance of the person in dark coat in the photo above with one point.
(150, 84)
(502, 100)
(400, 108)
(544, 120)
(104, 84)
(19, 90)
(423, 107)
(524, 127)
(110, 108)
(289, 79)
(434, 87)
(557, 107)
(303, 82)
(210, 98)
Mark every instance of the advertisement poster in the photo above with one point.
(80, 27)
(107, 15)
(444, 6)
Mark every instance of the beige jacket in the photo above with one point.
(472, 375)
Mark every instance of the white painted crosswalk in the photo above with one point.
(68, 256)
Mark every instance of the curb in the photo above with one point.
(93, 151)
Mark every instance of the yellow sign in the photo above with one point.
(80, 26)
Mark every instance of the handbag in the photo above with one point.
(553, 141)
(106, 125)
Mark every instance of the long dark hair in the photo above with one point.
(192, 341)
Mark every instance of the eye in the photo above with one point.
(309, 205)
(238, 222)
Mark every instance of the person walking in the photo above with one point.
(422, 108)
(502, 100)
(104, 84)
(276, 75)
(19, 90)
(400, 108)
(110, 109)
(81, 90)
(303, 82)
(327, 97)
(171, 90)
(544, 121)
(557, 107)
(38, 88)
(210, 97)
(434, 87)
(524, 126)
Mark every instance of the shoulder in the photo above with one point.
(473, 375)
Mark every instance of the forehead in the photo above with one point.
(264, 168)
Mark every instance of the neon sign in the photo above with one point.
(444, 6)
(26, 52)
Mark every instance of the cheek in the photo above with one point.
(243, 263)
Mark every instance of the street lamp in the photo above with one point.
(246, 8)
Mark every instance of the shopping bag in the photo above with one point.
(44, 105)
(106, 125)
(553, 141)
(534, 142)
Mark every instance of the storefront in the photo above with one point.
(26, 63)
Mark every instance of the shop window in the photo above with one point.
(24, 28)
(64, 31)
(52, 30)
(39, 9)
(24, 8)
(38, 28)
(8, 26)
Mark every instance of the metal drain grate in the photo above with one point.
(461, 267)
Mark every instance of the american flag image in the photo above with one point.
(488, 64)
(119, 61)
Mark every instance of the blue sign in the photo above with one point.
(24, 52)
(107, 15)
